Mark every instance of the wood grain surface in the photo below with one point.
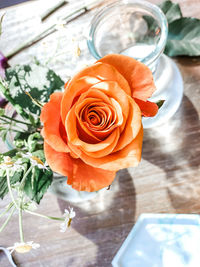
(166, 181)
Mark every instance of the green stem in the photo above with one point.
(44, 216)
(5, 211)
(7, 220)
(19, 121)
(24, 177)
(20, 224)
(10, 189)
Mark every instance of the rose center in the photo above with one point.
(98, 116)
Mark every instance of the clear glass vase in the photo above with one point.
(138, 29)
(62, 190)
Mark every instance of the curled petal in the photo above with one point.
(148, 109)
(94, 93)
(138, 75)
(111, 140)
(132, 127)
(103, 72)
(129, 156)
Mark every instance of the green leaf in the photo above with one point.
(14, 178)
(171, 10)
(39, 81)
(3, 186)
(183, 37)
(38, 180)
(32, 141)
(35, 187)
(34, 121)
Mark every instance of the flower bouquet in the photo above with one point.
(85, 130)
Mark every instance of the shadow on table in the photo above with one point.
(107, 219)
(188, 61)
(174, 147)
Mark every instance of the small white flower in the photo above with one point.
(8, 163)
(35, 161)
(69, 215)
(24, 247)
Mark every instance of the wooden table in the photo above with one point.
(166, 181)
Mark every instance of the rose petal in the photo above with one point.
(129, 156)
(138, 75)
(103, 72)
(149, 109)
(53, 131)
(94, 93)
(81, 176)
(88, 178)
(59, 162)
(132, 127)
(111, 143)
(118, 109)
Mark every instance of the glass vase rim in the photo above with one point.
(152, 8)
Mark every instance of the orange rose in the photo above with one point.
(94, 128)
